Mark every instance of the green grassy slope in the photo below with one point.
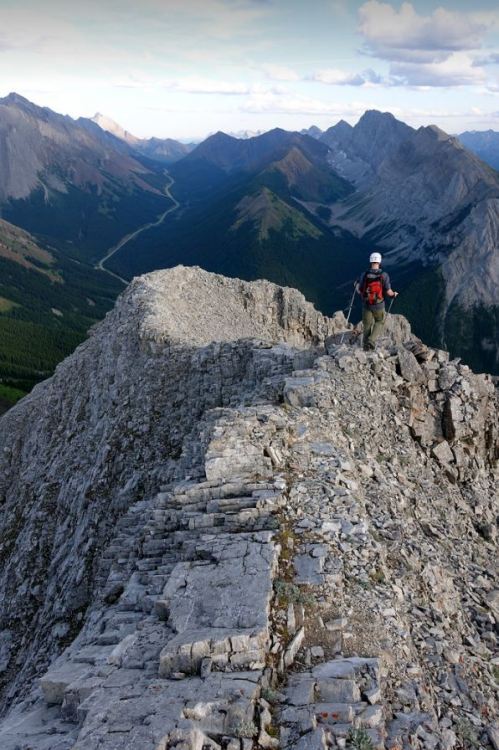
(291, 247)
(48, 315)
(84, 224)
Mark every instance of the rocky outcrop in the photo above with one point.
(73, 461)
(217, 533)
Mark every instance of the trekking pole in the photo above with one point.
(349, 311)
(391, 303)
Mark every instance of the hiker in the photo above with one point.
(373, 286)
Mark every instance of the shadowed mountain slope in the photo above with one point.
(68, 183)
(242, 214)
(47, 304)
(485, 144)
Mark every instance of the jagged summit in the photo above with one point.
(342, 126)
(233, 154)
(111, 126)
(18, 102)
(215, 508)
(435, 132)
(374, 116)
(14, 98)
(375, 136)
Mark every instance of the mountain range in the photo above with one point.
(67, 193)
(306, 210)
(165, 150)
(484, 144)
(242, 213)
(68, 184)
(83, 198)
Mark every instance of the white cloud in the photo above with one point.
(294, 104)
(404, 35)
(200, 85)
(195, 85)
(280, 72)
(336, 77)
(440, 49)
(266, 103)
(492, 58)
(457, 70)
(488, 18)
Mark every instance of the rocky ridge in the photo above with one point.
(165, 150)
(239, 530)
(42, 150)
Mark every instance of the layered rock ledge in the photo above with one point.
(221, 528)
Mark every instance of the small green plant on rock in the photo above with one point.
(377, 576)
(272, 731)
(290, 593)
(246, 729)
(358, 739)
(270, 695)
(467, 734)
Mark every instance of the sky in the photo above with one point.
(187, 68)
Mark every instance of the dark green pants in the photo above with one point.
(373, 322)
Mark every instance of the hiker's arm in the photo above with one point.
(388, 286)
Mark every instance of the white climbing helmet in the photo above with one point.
(375, 258)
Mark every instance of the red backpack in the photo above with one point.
(372, 287)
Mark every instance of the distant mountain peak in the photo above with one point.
(313, 131)
(436, 132)
(342, 129)
(106, 123)
(245, 134)
(221, 134)
(373, 118)
(14, 98)
(376, 114)
(483, 143)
